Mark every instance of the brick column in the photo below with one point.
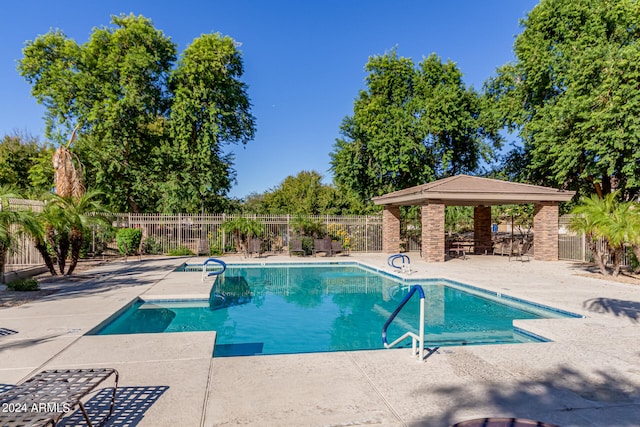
(545, 231)
(482, 228)
(433, 232)
(391, 229)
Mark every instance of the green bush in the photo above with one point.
(128, 240)
(151, 246)
(24, 285)
(181, 251)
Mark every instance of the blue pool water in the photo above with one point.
(298, 309)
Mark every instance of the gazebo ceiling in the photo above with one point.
(466, 190)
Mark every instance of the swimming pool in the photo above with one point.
(293, 308)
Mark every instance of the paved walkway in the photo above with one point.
(588, 376)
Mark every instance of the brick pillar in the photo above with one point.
(482, 228)
(433, 232)
(391, 229)
(545, 231)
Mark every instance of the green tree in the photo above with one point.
(151, 132)
(210, 109)
(25, 164)
(79, 215)
(572, 95)
(67, 220)
(305, 194)
(37, 231)
(301, 194)
(410, 126)
(608, 219)
(11, 222)
(242, 230)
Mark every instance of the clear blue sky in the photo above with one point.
(304, 60)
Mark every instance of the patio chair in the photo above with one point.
(504, 247)
(523, 250)
(336, 247)
(322, 245)
(49, 395)
(255, 246)
(295, 246)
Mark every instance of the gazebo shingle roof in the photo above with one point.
(472, 190)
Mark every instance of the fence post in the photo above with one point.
(224, 233)
(366, 233)
(583, 248)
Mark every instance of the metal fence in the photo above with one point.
(24, 254)
(573, 246)
(204, 233)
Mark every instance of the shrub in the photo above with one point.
(24, 285)
(181, 251)
(128, 240)
(152, 246)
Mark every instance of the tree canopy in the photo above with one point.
(152, 132)
(411, 125)
(304, 194)
(25, 164)
(572, 95)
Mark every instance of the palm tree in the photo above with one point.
(242, 230)
(73, 216)
(35, 227)
(619, 230)
(589, 218)
(9, 220)
(608, 219)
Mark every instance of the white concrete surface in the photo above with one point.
(588, 376)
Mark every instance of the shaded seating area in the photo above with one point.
(513, 247)
(48, 396)
(481, 193)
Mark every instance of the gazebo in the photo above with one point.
(481, 193)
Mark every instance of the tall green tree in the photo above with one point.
(25, 164)
(210, 109)
(305, 194)
(411, 125)
(572, 95)
(141, 115)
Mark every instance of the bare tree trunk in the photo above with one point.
(3, 258)
(618, 254)
(42, 249)
(76, 246)
(636, 252)
(598, 257)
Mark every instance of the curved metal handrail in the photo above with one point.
(391, 261)
(212, 273)
(416, 340)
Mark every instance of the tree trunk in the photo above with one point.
(636, 251)
(76, 244)
(3, 260)
(597, 256)
(42, 249)
(618, 254)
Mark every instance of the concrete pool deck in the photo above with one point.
(589, 375)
